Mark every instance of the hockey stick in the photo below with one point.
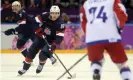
(72, 66)
(70, 75)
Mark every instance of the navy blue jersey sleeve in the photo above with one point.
(19, 28)
(42, 17)
(22, 16)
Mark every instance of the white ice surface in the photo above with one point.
(11, 63)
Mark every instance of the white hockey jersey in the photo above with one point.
(100, 20)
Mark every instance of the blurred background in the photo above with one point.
(71, 7)
(73, 28)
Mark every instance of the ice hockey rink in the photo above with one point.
(11, 63)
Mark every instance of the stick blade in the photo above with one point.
(73, 76)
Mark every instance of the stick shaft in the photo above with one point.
(58, 58)
(72, 66)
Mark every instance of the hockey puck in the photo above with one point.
(69, 77)
(73, 76)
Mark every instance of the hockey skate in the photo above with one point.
(96, 75)
(53, 60)
(26, 66)
(21, 72)
(39, 68)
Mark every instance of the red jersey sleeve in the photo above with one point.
(83, 18)
(120, 13)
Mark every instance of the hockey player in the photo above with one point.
(25, 28)
(100, 20)
(56, 42)
(51, 23)
(42, 55)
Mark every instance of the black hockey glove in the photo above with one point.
(119, 30)
(40, 32)
(52, 47)
(10, 31)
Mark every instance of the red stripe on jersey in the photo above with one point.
(60, 31)
(28, 60)
(19, 21)
(39, 30)
(83, 18)
(120, 14)
(39, 17)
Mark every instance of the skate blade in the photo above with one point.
(19, 75)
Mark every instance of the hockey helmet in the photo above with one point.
(16, 6)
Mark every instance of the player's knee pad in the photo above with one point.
(32, 53)
(121, 65)
(29, 56)
(24, 52)
(100, 62)
(42, 56)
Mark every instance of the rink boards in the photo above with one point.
(10, 51)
